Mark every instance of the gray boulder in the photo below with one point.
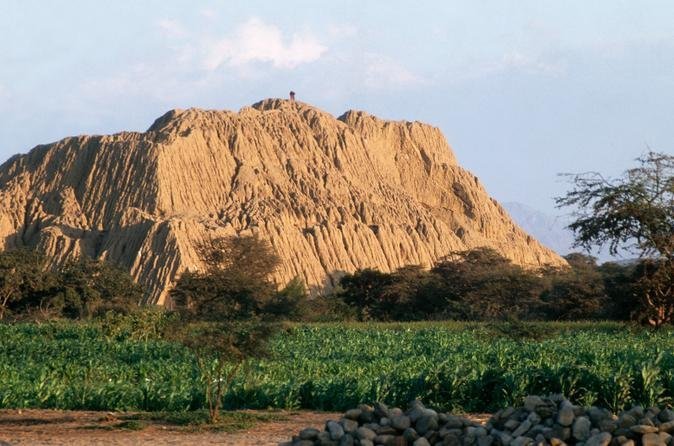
(581, 428)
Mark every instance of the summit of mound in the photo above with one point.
(330, 194)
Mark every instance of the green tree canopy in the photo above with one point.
(635, 210)
(577, 292)
(23, 279)
(227, 311)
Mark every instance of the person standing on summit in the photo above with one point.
(292, 96)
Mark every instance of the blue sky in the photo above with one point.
(522, 89)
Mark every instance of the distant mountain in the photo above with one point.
(552, 230)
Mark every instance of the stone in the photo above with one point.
(522, 441)
(652, 439)
(534, 418)
(505, 438)
(386, 430)
(194, 173)
(608, 425)
(335, 429)
(381, 410)
(432, 436)
(637, 412)
(415, 412)
(522, 429)
(546, 411)
(666, 415)
(643, 429)
(511, 424)
(508, 412)
(365, 433)
(426, 423)
(324, 439)
(303, 443)
(353, 414)
(597, 414)
(485, 440)
(451, 440)
(348, 425)
(664, 436)
(384, 439)
(410, 434)
(401, 422)
(565, 416)
(531, 402)
(395, 412)
(366, 414)
(581, 428)
(562, 432)
(309, 434)
(600, 439)
(554, 441)
(667, 426)
(622, 432)
(346, 440)
(453, 422)
(421, 442)
(645, 421)
(535, 430)
(366, 443)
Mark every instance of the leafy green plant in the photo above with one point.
(334, 366)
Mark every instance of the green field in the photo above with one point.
(462, 367)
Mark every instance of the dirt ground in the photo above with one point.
(77, 428)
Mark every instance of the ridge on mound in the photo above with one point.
(330, 194)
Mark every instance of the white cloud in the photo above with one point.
(384, 72)
(172, 28)
(520, 61)
(342, 30)
(256, 41)
(207, 13)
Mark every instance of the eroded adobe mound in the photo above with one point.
(330, 194)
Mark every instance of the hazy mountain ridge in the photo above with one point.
(553, 232)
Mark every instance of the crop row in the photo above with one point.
(333, 367)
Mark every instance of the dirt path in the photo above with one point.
(76, 428)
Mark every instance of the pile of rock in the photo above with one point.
(541, 421)
(381, 425)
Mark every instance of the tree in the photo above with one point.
(23, 276)
(488, 285)
(86, 288)
(78, 289)
(577, 292)
(635, 210)
(234, 285)
(227, 312)
(620, 285)
(365, 290)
